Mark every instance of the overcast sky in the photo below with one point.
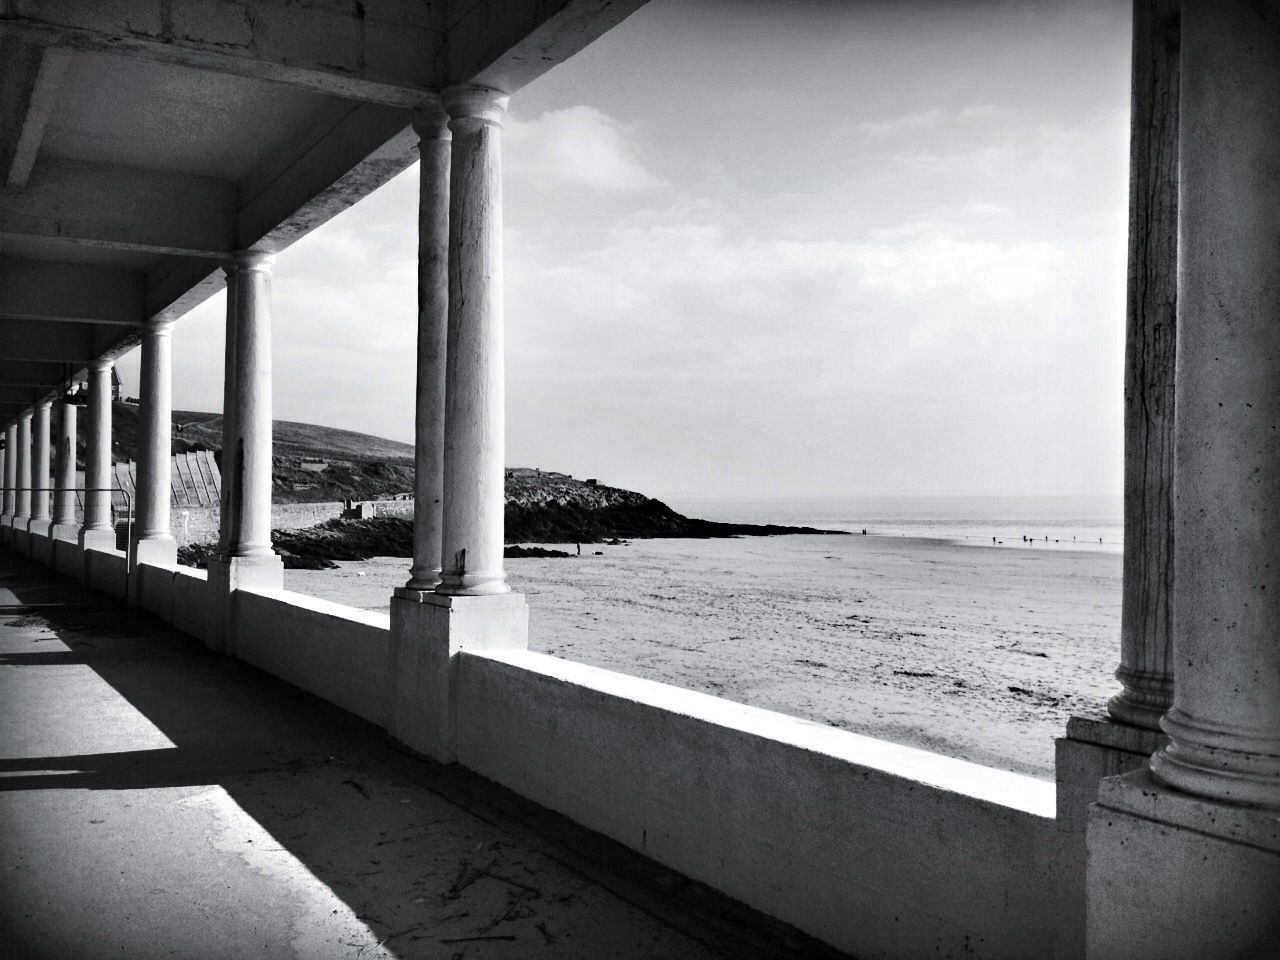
(771, 248)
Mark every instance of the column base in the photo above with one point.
(69, 532)
(1177, 877)
(39, 528)
(1221, 763)
(427, 631)
(228, 575)
(98, 538)
(1096, 746)
(21, 523)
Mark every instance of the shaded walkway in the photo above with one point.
(159, 801)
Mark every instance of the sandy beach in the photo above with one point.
(976, 652)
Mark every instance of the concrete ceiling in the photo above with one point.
(143, 141)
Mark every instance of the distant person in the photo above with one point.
(864, 531)
(993, 539)
(579, 546)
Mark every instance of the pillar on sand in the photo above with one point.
(99, 530)
(1184, 858)
(40, 499)
(64, 475)
(245, 558)
(152, 539)
(472, 606)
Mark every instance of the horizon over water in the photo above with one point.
(1069, 522)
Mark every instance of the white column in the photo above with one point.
(10, 469)
(153, 541)
(99, 529)
(225, 508)
(433, 324)
(40, 481)
(22, 510)
(247, 451)
(471, 561)
(1146, 632)
(1225, 721)
(64, 498)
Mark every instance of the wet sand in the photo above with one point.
(975, 652)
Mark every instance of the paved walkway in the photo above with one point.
(157, 800)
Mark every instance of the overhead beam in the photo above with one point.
(381, 51)
(505, 44)
(40, 98)
(70, 293)
(57, 343)
(123, 208)
(28, 373)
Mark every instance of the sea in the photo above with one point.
(1093, 523)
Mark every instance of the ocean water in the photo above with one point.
(1033, 523)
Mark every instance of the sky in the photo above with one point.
(811, 248)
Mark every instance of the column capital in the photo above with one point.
(159, 327)
(431, 122)
(101, 364)
(469, 103)
(243, 261)
(44, 404)
(26, 415)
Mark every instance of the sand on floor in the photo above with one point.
(975, 652)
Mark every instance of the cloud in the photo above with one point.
(577, 145)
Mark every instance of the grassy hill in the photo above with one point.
(310, 463)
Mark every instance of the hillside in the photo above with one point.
(312, 464)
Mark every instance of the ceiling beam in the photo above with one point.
(27, 373)
(508, 43)
(49, 342)
(70, 293)
(40, 98)
(122, 208)
(380, 51)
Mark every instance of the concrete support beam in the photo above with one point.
(246, 558)
(383, 51)
(1184, 858)
(506, 44)
(71, 293)
(99, 530)
(26, 105)
(63, 526)
(471, 608)
(1146, 630)
(31, 340)
(10, 472)
(123, 208)
(152, 540)
(22, 501)
(40, 480)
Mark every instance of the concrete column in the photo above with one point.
(246, 558)
(433, 319)
(64, 497)
(1224, 726)
(22, 509)
(99, 529)
(471, 563)
(1146, 640)
(10, 471)
(472, 608)
(40, 480)
(152, 540)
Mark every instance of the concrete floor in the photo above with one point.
(157, 800)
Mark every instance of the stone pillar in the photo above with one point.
(471, 607)
(433, 318)
(246, 558)
(22, 508)
(152, 540)
(99, 530)
(10, 471)
(1146, 644)
(1225, 721)
(471, 564)
(40, 499)
(64, 497)
(1184, 860)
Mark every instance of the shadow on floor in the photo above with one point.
(435, 861)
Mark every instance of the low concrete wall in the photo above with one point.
(879, 849)
(68, 559)
(105, 570)
(42, 549)
(336, 652)
(200, 524)
(155, 589)
(192, 603)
